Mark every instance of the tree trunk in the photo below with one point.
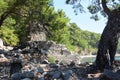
(108, 42)
(107, 47)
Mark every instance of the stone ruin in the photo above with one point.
(37, 32)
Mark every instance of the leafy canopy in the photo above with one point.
(94, 7)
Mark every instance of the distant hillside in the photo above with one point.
(84, 40)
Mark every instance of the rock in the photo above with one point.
(15, 66)
(47, 76)
(56, 75)
(97, 75)
(38, 33)
(16, 76)
(45, 67)
(40, 70)
(72, 64)
(41, 78)
(111, 75)
(8, 48)
(65, 52)
(28, 74)
(53, 65)
(61, 63)
(43, 51)
(65, 68)
(2, 51)
(45, 62)
(91, 69)
(26, 79)
(3, 59)
(67, 74)
(118, 71)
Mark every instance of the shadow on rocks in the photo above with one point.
(92, 69)
(110, 75)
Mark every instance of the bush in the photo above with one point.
(8, 36)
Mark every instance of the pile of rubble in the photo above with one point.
(17, 68)
(30, 62)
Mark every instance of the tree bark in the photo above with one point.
(109, 39)
(105, 8)
(107, 47)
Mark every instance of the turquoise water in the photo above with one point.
(117, 57)
(88, 59)
(92, 59)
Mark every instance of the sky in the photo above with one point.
(82, 19)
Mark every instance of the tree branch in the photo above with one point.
(105, 8)
(3, 17)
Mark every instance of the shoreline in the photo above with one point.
(85, 56)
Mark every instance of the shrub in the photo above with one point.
(51, 59)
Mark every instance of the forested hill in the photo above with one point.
(84, 40)
(17, 17)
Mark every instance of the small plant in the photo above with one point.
(51, 59)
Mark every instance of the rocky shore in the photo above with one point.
(31, 61)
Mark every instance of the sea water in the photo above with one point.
(92, 59)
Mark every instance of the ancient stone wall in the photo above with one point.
(37, 32)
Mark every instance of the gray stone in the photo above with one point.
(56, 75)
(67, 74)
(16, 76)
(40, 70)
(53, 65)
(44, 62)
(26, 79)
(28, 74)
(72, 64)
(65, 52)
(2, 52)
(2, 55)
(15, 66)
(41, 78)
(37, 32)
(118, 71)
(111, 75)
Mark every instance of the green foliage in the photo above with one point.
(94, 7)
(95, 17)
(21, 13)
(51, 59)
(60, 28)
(15, 28)
(7, 32)
(8, 36)
(3, 6)
(83, 39)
